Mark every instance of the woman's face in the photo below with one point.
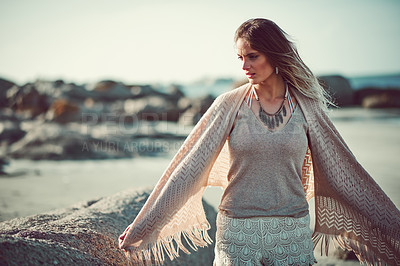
(255, 64)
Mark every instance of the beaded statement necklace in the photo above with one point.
(273, 120)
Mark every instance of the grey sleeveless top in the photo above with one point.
(266, 168)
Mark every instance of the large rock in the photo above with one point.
(60, 89)
(60, 100)
(339, 88)
(84, 234)
(196, 109)
(4, 86)
(10, 132)
(63, 111)
(37, 140)
(108, 91)
(139, 91)
(153, 108)
(378, 98)
(49, 141)
(27, 100)
(131, 103)
(8, 114)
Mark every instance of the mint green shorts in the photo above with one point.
(263, 241)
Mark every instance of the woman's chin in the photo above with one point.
(252, 81)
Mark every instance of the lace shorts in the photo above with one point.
(263, 241)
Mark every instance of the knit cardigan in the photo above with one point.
(351, 210)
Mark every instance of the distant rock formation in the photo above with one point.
(27, 101)
(34, 99)
(56, 120)
(84, 234)
(339, 88)
(63, 111)
(344, 95)
(378, 98)
(50, 141)
(10, 132)
(196, 110)
(5, 85)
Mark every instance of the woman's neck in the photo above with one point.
(272, 88)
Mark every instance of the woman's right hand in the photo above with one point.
(122, 237)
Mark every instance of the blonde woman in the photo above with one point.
(270, 145)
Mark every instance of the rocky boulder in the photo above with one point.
(49, 141)
(36, 140)
(108, 91)
(139, 91)
(339, 88)
(8, 114)
(84, 234)
(63, 111)
(195, 109)
(27, 100)
(378, 98)
(10, 132)
(152, 108)
(60, 89)
(4, 86)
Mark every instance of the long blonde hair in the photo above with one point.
(268, 38)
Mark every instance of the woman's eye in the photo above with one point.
(240, 58)
(253, 57)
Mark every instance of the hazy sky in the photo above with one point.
(179, 41)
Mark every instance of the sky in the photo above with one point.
(184, 41)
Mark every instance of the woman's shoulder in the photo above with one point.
(233, 94)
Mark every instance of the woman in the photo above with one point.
(271, 146)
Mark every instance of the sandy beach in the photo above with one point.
(372, 135)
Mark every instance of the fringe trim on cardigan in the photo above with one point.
(154, 253)
(352, 231)
(363, 252)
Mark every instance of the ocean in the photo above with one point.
(218, 86)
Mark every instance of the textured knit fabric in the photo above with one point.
(350, 208)
(260, 241)
(266, 168)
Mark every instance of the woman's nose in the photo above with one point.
(245, 64)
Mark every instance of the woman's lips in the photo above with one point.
(250, 75)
